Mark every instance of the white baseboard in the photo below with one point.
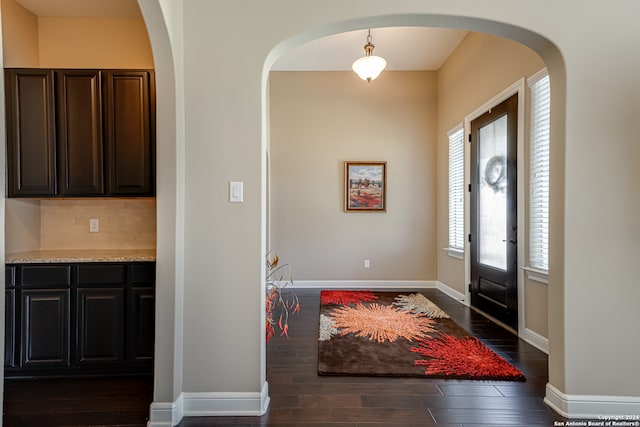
(533, 338)
(210, 404)
(380, 284)
(166, 414)
(458, 296)
(536, 340)
(592, 407)
(364, 284)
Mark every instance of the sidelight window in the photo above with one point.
(456, 191)
(539, 172)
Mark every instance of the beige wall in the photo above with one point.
(320, 119)
(22, 225)
(93, 43)
(63, 42)
(537, 307)
(19, 35)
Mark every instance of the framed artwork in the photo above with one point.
(365, 186)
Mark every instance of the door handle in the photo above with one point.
(513, 242)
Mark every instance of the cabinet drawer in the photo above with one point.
(101, 274)
(143, 273)
(45, 275)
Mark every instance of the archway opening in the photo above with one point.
(285, 154)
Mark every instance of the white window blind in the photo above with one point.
(456, 189)
(539, 173)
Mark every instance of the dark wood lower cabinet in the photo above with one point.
(44, 328)
(100, 326)
(90, 319)
(9, 327)
(141, 328)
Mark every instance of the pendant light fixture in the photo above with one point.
(369, 66)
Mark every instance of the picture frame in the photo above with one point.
(365, 186)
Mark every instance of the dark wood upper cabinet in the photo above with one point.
(129, 97)
(75, 133)
(31, 143)
(79, 97)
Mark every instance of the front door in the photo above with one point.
(494, 265)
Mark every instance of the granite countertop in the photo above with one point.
(81, 255)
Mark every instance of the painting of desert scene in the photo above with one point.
(365, 186)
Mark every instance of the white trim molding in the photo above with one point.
(381, 284)
(166, 414)
(537, 274)
(210, 404)
(458, 296)
(364, 284)
(535, 339)
(594, 407)
(455, 252)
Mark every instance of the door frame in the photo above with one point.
(519, 87)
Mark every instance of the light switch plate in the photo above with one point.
(94, 225)
(236, 191)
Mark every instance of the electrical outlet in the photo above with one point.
(367, 263)
(94, 225)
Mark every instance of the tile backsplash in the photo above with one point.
(123, 223)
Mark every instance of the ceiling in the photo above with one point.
(404, 48)
(83, 8)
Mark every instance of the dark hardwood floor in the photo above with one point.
(115, 401)
(299, 397)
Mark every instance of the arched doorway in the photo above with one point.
(168, 404)
(333, 173)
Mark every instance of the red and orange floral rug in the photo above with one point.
(400, 334)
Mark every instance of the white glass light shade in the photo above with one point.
(369, 67)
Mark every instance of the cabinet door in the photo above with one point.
(9, 328)
(44, 328)
(10, 316)
(79, 102)
(141, 328)
(31, 148)
(100, 326)
(128, 99)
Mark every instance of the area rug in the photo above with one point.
(366, 333)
